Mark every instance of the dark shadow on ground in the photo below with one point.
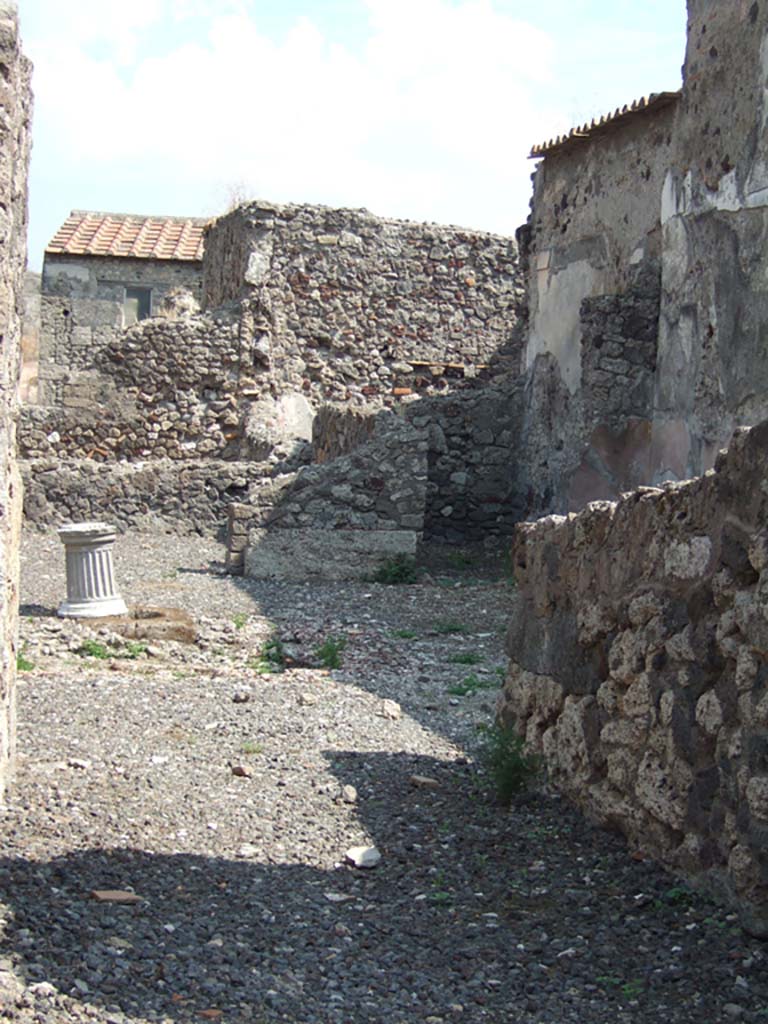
(458, 914)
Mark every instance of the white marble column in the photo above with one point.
(91, 589)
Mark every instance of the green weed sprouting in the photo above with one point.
(329, 651)
(23, 664)
(502, 754)
(271, 657)
(396, 570)
(93, 649)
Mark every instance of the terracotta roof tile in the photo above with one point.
(655, 101)
(86, 233)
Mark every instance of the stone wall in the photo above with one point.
(713, 372)
(182, 497)
(595, 215)
(355, 308)
(639, 665)
(82, 307)
(343, 518)
(684, 184)
(16, 106)
(30, 338)
(595, 443)
(474, 453)
(306, 305)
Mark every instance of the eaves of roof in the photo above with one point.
(600, 126)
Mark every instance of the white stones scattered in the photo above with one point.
(390, 709)
(363, 856)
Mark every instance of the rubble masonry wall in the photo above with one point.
(639, 668)
(16, 107)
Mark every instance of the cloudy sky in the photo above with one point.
(424, 109)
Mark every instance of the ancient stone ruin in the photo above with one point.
(182, 414)
(16, 104)
(353, 386)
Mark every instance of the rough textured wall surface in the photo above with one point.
(183, 497)
(16, 107)
(595, 215)
(341, 519)
(352, 307)
(713, 374)
(639, 668)
(595, 443)
(30, 338)
(306, 304)
(82, 307)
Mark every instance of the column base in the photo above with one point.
(95, 609)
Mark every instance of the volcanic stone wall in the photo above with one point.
(82, 306)
(639, 668)
(343, 518)
(305, 304)
(355, 308)
(187, 497)
(16, 109)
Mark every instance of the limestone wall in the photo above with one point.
(639, 665)
(16, 107)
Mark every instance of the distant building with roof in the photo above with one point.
(596, 214)
(103, 272)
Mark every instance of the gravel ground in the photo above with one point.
(225, 799)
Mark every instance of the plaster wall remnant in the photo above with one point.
(678, 186)
(16, 108)
(595, 215)
(712, 373)
(638, 663)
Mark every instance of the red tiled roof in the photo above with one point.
(656, 101)
(85, 233)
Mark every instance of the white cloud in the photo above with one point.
(426, 119)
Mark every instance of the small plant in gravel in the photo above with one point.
(440, 895)
(90, 648)
(23, 664)
(271, 657)
(396, 570)
(677, 896)
(471, 684)
(404, 634)
(250, 747)
(329, 651)
(133, 649)
(239, 620)
(449, 628)
(632, 989)
(502, 754)
(465, 658)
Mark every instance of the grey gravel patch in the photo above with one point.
(248, 912)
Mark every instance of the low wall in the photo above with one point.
(173, 496)
(341, 519)
(638, 668)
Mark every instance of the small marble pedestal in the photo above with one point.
(91, 590)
